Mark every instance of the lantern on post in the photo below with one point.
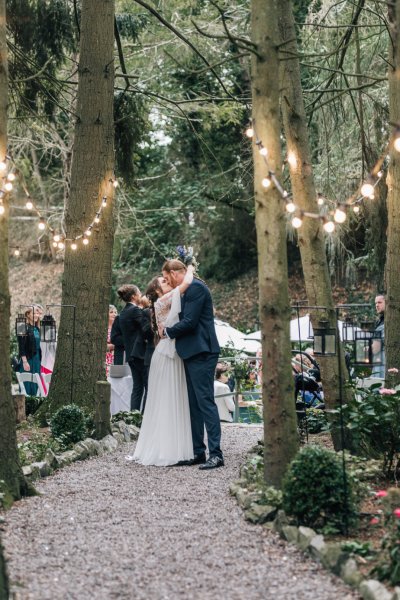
(21, 325)
(364, 344)
(348, 329)
(324, 339)
(48, 330)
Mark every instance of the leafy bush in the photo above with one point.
(133, 417)
(389, 564)
(316, 420)
(34, 449)
(68, 425)
(32, 404)
(314, 491)
(374, 422)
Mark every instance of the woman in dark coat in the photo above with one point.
(30, 353)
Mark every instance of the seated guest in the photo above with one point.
(112, 313)
(225, 404)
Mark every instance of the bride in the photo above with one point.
(165, 435)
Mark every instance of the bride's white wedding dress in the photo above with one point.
(165, 435)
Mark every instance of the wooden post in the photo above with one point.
(102, 418)
(19, 405)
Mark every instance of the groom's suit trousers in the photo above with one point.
(203, 410)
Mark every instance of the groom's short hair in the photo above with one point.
(173, 265)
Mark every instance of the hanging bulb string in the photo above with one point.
(366, 189)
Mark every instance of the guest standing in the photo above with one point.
(117, 339)
(29, 347)
(112, 314)
(225, 403)
(130, 322)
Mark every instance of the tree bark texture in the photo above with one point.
(310, 234)
(10, 469)
(87, 273)
(392, 312)
(280, 429)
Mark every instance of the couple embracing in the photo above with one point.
(180, 397)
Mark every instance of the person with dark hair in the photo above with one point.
(197, 345)
(378, 345)
(112, 314)
(30, 353)
(165, 435)
(118, 341)
(130, 323)
(225, 403)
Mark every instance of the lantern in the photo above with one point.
(348, 330)
(324, 339)
(365, 340)
(21, 326)
(48, 330)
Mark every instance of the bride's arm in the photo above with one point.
(187, 279)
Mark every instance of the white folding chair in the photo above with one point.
(32, 378)
(47, 379)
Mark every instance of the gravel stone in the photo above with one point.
(108, 528)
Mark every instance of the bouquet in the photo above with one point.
(186, 255)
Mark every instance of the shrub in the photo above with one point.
(68, 425)
(316, 420)
(314, 490)
(133, 417)
(32, 404)
(388, 567)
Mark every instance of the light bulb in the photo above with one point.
(396, 143)
(104, 203)
(55, 244)
(320, 200)
(263, 151)
(17, 252)
(297, 222)
(340, 215)
(249, 132)
(85, 240)
(97, 218)
(290, 207)
(380, 174)
(356, 209)
(3, 165)
(115, 183)
(8, 186)
(74, 246)
(56, 237)
(88, 232)
(60, 245)
(285, 194)
(2, 209)
(266, 182)
(367, 189)
(29, 205)
(292, 160)
(42, 224)
(329, 226)
(11, 177)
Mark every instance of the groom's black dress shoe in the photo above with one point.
(197, 460)
(212, 463)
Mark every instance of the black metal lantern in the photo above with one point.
(48, 330)
(365, 340)
(324, 339)
(21, 325)
(348, 330)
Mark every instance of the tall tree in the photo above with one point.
(10, 469)
(87, 274)
(310, 235)
(280, 431)
(392, 316)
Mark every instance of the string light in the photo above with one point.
(297, 222)
(320, 200)
(61, 245)
(356, 209)
(17, 252)
(74, 246)
(266, 182)
(292, 160)
(88, 231)
(249, 132)
(2, 209)
(367, 188)
(97, 218)
(290, 207)
(104, 201)
(11, 177)
(85, 241)
(263, 151)
(8, 186)
(329, 226)
(3, 165)
(115, 183)
(29, 204)
(56, 237)
(340, 215)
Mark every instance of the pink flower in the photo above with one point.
(396, 512)
(394, 371)
(374, 521)
(387, 391)
(380, 494)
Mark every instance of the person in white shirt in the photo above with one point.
(225, 404)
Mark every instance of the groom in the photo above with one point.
(197, 345)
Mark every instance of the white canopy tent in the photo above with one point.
(229, 337)
(300, 330)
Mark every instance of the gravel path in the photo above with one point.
(108, 528)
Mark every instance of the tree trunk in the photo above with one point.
(392, 312)
(87, 273)
(10, 469)
(280, 430)
(310, 234)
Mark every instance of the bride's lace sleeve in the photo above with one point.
(162, 308)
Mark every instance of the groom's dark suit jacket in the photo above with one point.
(195, 332)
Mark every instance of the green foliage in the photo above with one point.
(33, 449)
(133, 417)
(388, 567)
(314, 490)
(68, 425)
(316, 420)
(360, 548)
(32, 404)
(374, 422)
(253, 471)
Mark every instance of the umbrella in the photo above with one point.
(300, 330)
(229, 337)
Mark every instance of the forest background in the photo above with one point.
(182, 104)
